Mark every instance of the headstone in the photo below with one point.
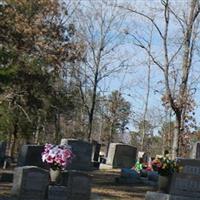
(105, 167)
(121, 155)
(96, 147)
(156, 196)
(30, 155)
(189, 166)
(78, 184)
(153, 176)
(163, 196)
(146, 158)
(95, 154)
(57, 193)
(2, 152)
(187, 182)
(83, 154)
(186, 185)
(195, 153)
(30, 183)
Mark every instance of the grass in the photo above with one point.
(104, 185)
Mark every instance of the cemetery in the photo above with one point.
(99, 100)
(82, 180)
(24, 180)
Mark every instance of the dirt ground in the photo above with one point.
(104, 187)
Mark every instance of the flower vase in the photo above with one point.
(164, 183)
(54, 175)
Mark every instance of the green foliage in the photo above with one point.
(165, 166)
(119, 110)
(116, 111)
(5, 121)
(33, 48)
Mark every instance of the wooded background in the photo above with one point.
(56, 56)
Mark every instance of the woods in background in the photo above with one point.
(56, 55)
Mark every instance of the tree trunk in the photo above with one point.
(146, 106)
(91, 113)
(13, 141)
(177, 132)
(37, 133)
(147, 94)
(90, 126)
(109, 138)
(9, 142)
(57, 127)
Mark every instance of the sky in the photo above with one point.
(133, 82)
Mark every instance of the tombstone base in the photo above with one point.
(125, 180)
(57, 193)
(79, 185)
(163, 196)
(185, 185)
(78, 197)
(105, 166)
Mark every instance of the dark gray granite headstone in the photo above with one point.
(95, 151)
(83, 154)
(156, 196)
(57, 193)
(190, 166)
(163, 196)
(153, 176)
(2, 151)
(79, 185)
(30, 183)
(121, 155)
(185, 185)
(30, 155)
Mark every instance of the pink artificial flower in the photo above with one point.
(49, 159)
(59, 155)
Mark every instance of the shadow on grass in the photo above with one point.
(104, 196)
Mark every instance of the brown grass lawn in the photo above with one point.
(104, 185)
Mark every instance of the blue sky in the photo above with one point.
(134, 80)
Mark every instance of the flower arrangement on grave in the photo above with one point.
(165, 166)
(57, 156)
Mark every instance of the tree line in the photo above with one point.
(56, 55)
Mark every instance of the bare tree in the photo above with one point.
(174, 58)
(148, 92)
(99, 26)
